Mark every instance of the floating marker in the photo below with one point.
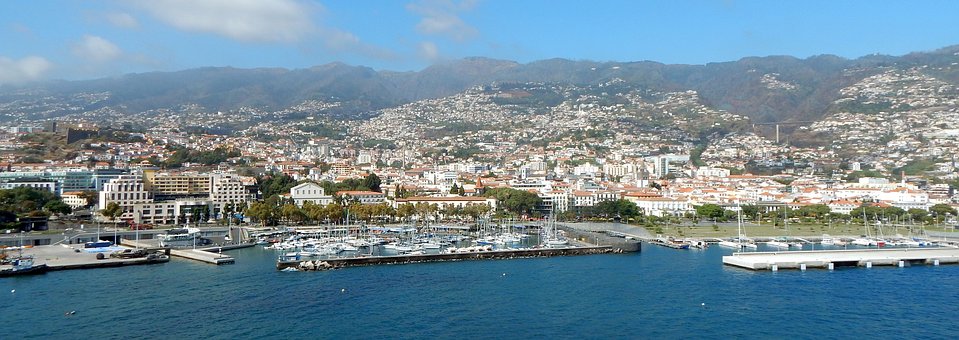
(504, 274)
(343, 290)
(14, 290)
(703, 304)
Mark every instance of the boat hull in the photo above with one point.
(35, 270)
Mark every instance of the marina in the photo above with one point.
(409, 245)
(830, 259)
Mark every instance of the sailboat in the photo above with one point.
(551, 239)
(743, 242)
(866, 240)
(783, 242)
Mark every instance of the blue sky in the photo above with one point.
(69, 39)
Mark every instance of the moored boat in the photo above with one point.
(24, 266)
(182, 237)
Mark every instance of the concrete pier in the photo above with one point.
(830, 259)
(200, 254)
(404, 259)
(63, 257)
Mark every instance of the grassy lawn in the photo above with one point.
(766, 230)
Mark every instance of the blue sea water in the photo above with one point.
(654, 294)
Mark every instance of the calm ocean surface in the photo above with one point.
(655, 294)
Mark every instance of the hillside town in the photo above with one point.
(889, 142)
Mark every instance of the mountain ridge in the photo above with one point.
(766, 89)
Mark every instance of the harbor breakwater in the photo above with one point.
(310, 265)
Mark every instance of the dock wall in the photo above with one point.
(842, 258)
(405, 259)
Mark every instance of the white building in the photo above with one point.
(659, 206)
(452, 201)
(35, 183)
(363, 197)
(74, 199)
(586, 169)
(127, 191)
(228, 189)
(556, 200)
(364, 157)
(712, 172)
(309, 192)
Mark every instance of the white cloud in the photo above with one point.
(26, 69)
(441, 17)
(429, 51)
(243, 20)
(123, 20)
(96, 49)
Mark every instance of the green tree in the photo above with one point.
(917, 214)
(515, 201)
(313, 212)
(405, 210)
(941, 210)
(709, 210)
(333, 212)
(57, 207)
(817, 211)
(112, 211)
(372, 182)
(262, 212)
(292, 213)
(275, 184)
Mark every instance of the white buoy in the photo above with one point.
(703, 304)
(504, 274)
(13, 290)
(343, 290)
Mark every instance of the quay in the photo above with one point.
(308, 265)
(63, 257)
(667, 244)
(830, 259)
(210, 255)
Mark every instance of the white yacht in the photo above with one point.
(183, 237)
(832, 241)
(777, 244)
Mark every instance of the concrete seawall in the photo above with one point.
(405, 259)
(842, 258)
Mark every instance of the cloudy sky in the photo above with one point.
(71, 39)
